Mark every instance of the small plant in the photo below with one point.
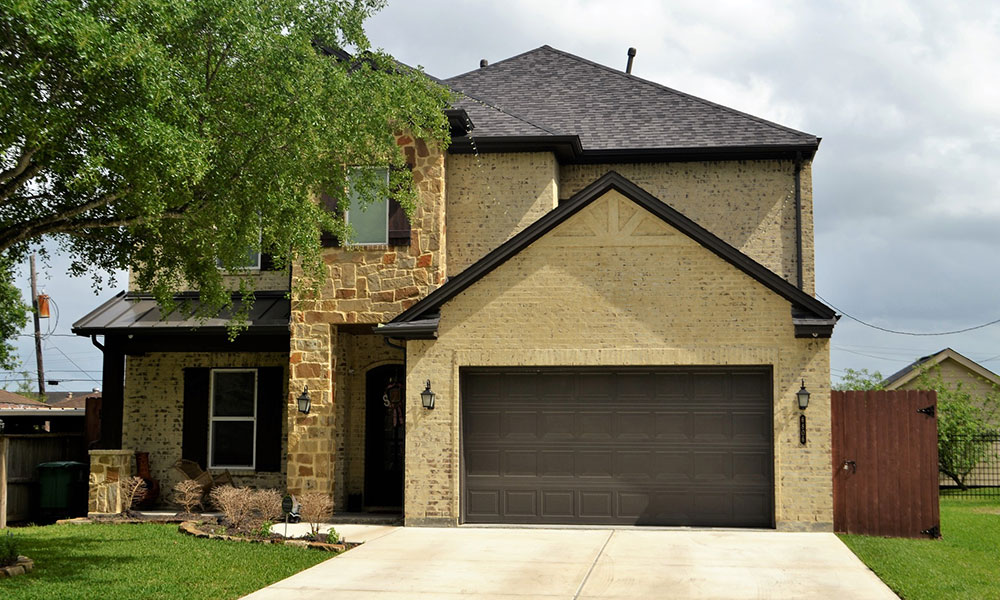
(266, 504)
(317, 508)
(133, 490)
(188, 494)
(8, 549)
(264, 530)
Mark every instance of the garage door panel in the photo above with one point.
(635, 425)
(664, 446)
(594, 426)
(483, 424)
(712, 426)
(590, 465)
(482, 463)
(674, 425)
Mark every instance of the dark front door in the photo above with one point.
(637, 446)
(385, 417)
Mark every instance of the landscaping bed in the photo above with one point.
(962, 564)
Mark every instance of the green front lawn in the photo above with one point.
(964, 563)
(146, 561)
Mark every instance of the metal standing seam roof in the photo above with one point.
(139, 313)
(547, 91)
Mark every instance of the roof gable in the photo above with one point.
(546, 93)
(913, 370)
(811, 317)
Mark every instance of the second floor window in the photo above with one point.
(370, 221)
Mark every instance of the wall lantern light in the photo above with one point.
(803, 396)
(427, 396)
(305, 402)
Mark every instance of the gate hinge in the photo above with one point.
(934, 532)
(929, 411)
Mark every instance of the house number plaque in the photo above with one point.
(802, 429)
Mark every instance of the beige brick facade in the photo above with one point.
(749, 204)
(492, 197)
(154, 409)
(589, 294)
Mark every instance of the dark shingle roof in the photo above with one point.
(547, 92)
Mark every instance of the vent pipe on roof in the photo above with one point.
(483, 63)
(631, 55)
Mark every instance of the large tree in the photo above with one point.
(163, 136)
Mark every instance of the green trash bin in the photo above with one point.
(62, 487)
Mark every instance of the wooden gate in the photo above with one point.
(885, 463)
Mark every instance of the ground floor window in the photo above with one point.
(233, 418)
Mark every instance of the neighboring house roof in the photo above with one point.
(550, 95)
(12, 400)
(913, 370)
(811, 317)
(70, 399)
(138, 313)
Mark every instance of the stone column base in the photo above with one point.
(108, 469)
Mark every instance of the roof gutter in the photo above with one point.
(569, 150)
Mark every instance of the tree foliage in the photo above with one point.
(13, 315)
(963, 421)
(163, 136)
(859, 380)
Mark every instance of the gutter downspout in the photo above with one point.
(798, 218)
(391, 345)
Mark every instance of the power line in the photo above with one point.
(74, 363)
(853, 318)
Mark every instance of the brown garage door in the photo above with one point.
(644, 446)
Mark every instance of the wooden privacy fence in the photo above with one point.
(885, 463)
(19, 457)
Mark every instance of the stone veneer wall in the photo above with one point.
(749, 204)
(364, 285)
(154, 409)
(491, 197)
(660, 299)
(108, 468)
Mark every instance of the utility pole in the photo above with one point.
(38, 331)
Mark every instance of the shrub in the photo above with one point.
(246, 509)
(133, 490)
(317, 507)
(188, 494)
(8, 549)
(234, 502)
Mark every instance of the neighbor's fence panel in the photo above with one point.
(984, 479)
(24, 453)
(885, 463)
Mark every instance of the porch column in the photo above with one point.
(310, 437)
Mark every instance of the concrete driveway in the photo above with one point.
(502, 563)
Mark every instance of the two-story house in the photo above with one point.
(601, 312)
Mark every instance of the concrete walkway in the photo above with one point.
(502, 563)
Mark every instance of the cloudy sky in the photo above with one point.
(906, 183)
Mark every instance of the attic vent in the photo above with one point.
(483, 63)
(631, 55)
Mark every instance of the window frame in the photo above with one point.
(212, 419)
(385, 201)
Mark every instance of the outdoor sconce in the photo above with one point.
(803, 396)
(305, 402)
(427, 396)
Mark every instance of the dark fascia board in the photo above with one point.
(569, 150)
(459, 122)
(417, 329)
(565, 147)
(804, 306)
